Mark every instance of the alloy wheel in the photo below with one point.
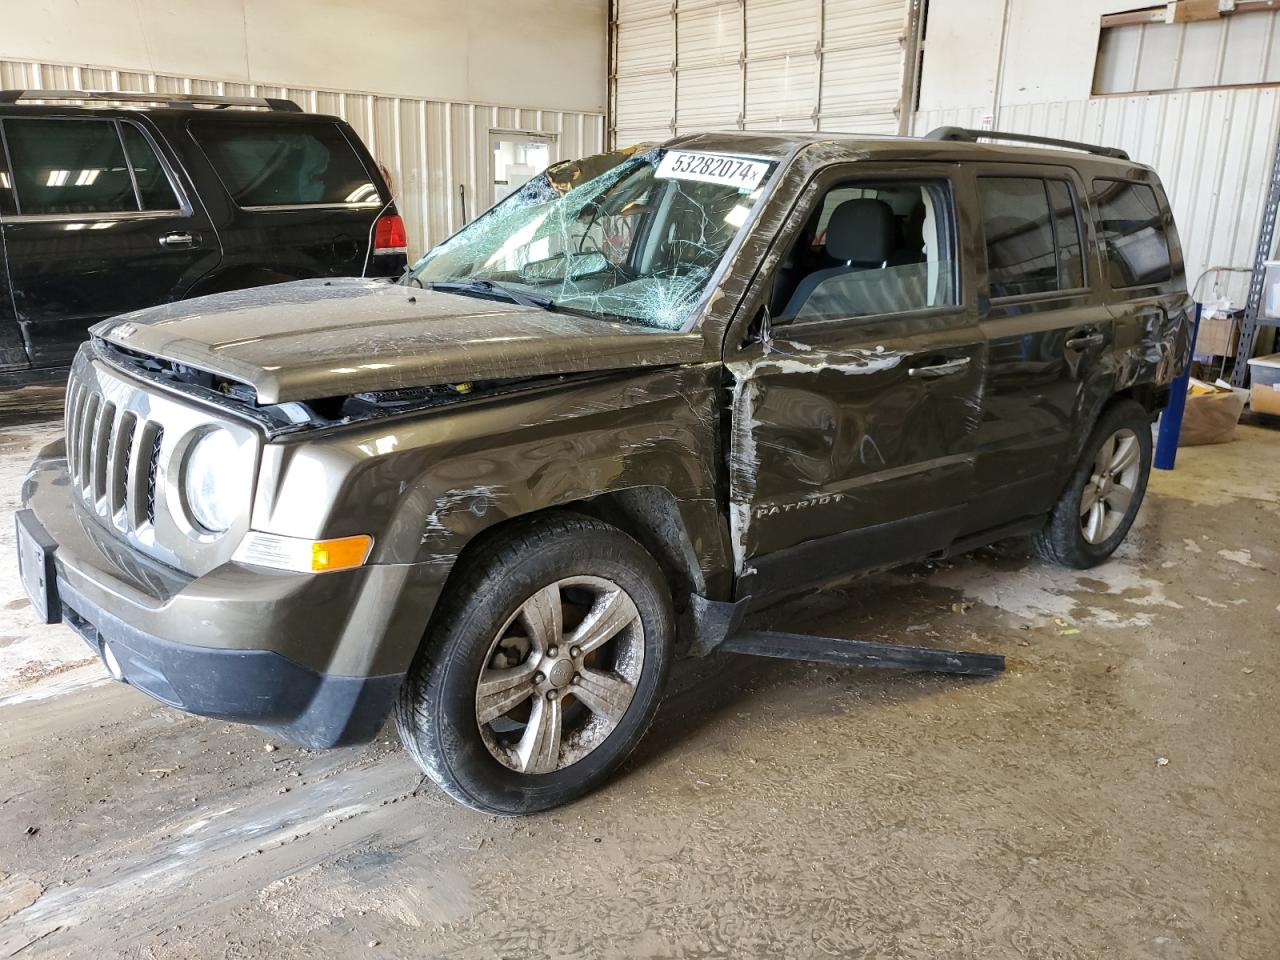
(1110, 489)
(560, 674)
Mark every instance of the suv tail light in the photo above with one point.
(389, 235)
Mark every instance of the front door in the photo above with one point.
(855, 408)
(1049, 333)
(100, 228)
(517, 159)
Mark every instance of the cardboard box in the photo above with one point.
(1217, 337)
(1211, 413)
(1264, 384)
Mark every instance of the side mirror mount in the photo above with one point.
(762, 328)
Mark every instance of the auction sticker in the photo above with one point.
(722, 168)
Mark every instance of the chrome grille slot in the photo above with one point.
(84, 439)
(75, 397)
(118, 462)
(141, 496)
(103, 427)
(153, 465)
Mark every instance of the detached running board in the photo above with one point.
(861, 653)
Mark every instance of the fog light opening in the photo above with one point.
(113, 665)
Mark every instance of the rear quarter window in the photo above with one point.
(262, 165)
(1131, 227)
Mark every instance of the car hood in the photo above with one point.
(325, 338)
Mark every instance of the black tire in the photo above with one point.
(437, 710)
(1063, 541)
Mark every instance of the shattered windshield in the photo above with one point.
(637, 242)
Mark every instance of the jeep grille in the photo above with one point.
(112, 455)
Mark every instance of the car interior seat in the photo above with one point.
(862, 234)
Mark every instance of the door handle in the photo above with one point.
(1086, 340)
(178, 240)
(944, 369)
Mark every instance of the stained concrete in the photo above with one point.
(1115, 794)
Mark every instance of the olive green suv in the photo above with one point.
(648, 392)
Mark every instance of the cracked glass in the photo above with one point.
(637, 241)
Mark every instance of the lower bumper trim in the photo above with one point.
(312, 709)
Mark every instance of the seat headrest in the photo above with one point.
(862, 231)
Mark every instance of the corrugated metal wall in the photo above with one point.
(1212, 148)
(431, 147)
(756, 64)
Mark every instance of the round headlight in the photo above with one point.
(213, 481)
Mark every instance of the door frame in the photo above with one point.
(811, 560)
(497, 134)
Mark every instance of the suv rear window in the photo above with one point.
(1131, 226)
(1033, 236)
(267, 166)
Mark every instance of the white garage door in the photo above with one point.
(757, 64)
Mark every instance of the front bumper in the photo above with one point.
(315, 659)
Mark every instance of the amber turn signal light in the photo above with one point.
(340, 554)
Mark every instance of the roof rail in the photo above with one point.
(966, 135)
(168, 99)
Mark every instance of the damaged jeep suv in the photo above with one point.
(647, 392)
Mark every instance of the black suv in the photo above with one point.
(110, 208)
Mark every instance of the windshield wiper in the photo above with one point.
(489, 287)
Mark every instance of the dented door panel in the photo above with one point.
(852, 446)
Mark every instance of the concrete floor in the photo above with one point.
(1115, 794)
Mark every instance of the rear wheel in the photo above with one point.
(543, 668)
(1102, 500)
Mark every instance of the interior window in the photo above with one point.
(69, 167)
(263, 165)
(1132, 228)
(153, 183)
(870, 248)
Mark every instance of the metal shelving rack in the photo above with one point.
(1253, 306)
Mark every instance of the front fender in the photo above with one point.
(423, 486)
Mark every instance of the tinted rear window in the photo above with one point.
(263, 165)
(1131, 227)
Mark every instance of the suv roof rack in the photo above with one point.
(966, 135)
(168, 99)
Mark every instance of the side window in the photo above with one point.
(69, 167)
(6, 183)
(870, 248)
(154, 187)
(1033, 236)
(263, 164)
(1066, 231)
(1131, 228)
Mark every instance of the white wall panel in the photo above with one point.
(689, 65)
(1211, 148)
(527, 52)
(431, 147)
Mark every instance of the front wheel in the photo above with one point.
(1101, 502)
(543, 668)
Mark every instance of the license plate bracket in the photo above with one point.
(36, 551)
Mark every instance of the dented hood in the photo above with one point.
(324, 338)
